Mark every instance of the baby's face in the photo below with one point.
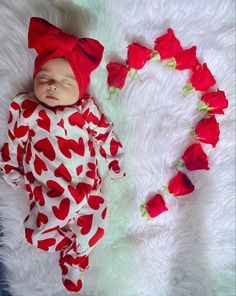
(55, 83)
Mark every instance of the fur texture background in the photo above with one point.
(187, 251)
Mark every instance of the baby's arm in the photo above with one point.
(103, 131)
(13, 149)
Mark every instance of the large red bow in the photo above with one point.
(83, 54)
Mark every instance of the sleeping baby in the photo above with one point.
(53, 137)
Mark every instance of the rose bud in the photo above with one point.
(179, 185)
(207, 130)
(167, 45)
(213, 102)
(153, 207)
(116, 77)
(201, 79)
(194, 158)
(185, 59)
(137, 57)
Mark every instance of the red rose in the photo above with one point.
(214, 102)
(167, 45)
(116, 77)
(185, 59)
(180, 185)
(202, 78)
(153, 207)
(138, 56)
(116, 74)
(207, 130)
(194, 158)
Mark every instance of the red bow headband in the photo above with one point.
(83, 54)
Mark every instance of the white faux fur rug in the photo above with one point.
(188, 250)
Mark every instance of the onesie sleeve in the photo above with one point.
(12, 150)
(102, 130)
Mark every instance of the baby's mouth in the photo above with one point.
(51, 97)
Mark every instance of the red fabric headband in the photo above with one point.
(83, 54)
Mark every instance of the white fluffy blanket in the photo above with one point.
(188, 250)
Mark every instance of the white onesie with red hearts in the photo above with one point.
(53, 152)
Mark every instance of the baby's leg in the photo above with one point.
(88, 227)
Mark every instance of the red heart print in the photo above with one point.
(51, 229)
(63, 172)
(102, 122)
(39, 165)
(90, 117)
(10, 117)
(82, 261)
(30, 177)
(31, 134)
(77, 147)
(45, 244)
(76, 119)
(20, 151)
(28, 107)
(41, 218)
(85, 222)
(77, 193)
(28, 153)
(102, 152)
(28, 235)
(28, 189)
(38, 195)
(57, 189)
(102, 137)
(32, 205)
(94, 201)
(114, 146)
(61, 123)
(43, 120)
(79, 169)
(20, 131)
(62, 212)
(63, 243)
(63, 146)
(104, 212)
(70, 286)
(15, 106)
(91, 174)
(46, 148)
(80, 191)
(96, 237)
(5, 152)
(91, 148)
(64, 269)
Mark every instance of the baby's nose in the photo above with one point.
(52, 85)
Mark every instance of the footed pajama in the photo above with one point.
(51, 152)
